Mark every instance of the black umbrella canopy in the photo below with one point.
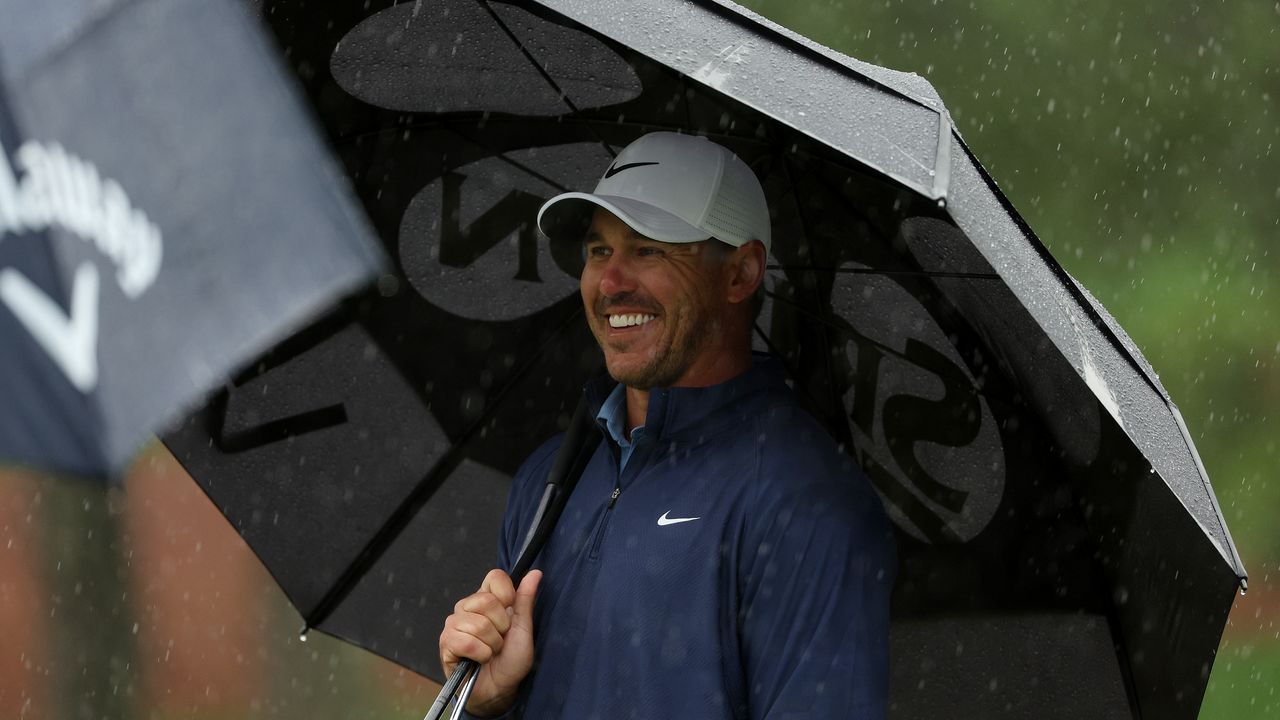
(1062, 552)
(163, 220)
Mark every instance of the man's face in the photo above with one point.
(655, 308)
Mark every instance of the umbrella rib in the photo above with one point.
(895, 492)
(805, 226)
(777, 354)
(688, 109)
(824, 323)
(1060, 273)
(456, 121)
(564, 96)
(425, 488)
(892, 273)
(94, 25)
(942, 159)
(803, 47)
(855, 209)
(504, 158)
(886, 349)
(1237, 563)
(456, 128)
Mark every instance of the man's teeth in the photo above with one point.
(618, 321)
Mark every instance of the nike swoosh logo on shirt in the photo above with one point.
(664, 520)
(619, 168)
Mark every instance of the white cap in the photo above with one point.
(669, 187)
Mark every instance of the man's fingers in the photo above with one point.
(460, 647)
(488, 605)
(494, 627)
(471, 636)
(525, 596)
(479, 627)
(499, 583)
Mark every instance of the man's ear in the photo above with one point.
(746, 267)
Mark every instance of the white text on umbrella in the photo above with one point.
(67, 191)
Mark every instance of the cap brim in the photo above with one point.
(567, 217)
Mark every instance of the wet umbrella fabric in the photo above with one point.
(163, 220)
(1062, 552)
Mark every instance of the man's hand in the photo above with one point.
(494, 627)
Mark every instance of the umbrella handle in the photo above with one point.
(464, 669)
(579, 445)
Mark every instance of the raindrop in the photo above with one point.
(302, 634)
(388, 285)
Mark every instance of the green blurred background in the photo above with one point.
(1137, 140)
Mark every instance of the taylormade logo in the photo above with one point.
(60, 189)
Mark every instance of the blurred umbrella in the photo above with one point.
(1062, 552)
(164, 219)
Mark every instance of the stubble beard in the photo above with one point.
(670, 358)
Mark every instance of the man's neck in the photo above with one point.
(637, 408)
(638, 400)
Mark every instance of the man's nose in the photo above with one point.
(618, 276)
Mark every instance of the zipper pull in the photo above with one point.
(613, 499)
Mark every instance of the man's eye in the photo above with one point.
(597, 251)
(647, 251)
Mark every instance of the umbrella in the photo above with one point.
(163, 220)
(1061, 550)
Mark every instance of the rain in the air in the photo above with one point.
(639, 358)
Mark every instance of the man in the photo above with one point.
(720, 557)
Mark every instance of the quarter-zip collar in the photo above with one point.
(678, 412)
(613, 419)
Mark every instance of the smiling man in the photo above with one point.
(720, 557)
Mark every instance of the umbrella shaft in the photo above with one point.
(464, 695)
(450, 687)
(579, 445)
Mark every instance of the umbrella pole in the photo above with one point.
(464, 696)
(450, 687)
(579, 445)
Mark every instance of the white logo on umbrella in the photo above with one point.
(70, 340)
(62, 190)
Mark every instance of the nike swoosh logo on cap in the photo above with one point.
(619, 168)
(664, 520)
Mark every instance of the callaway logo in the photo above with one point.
(58, 189)
(664, 520)
(62, 190)
(619, 168)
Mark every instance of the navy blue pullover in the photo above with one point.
(739, 566)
